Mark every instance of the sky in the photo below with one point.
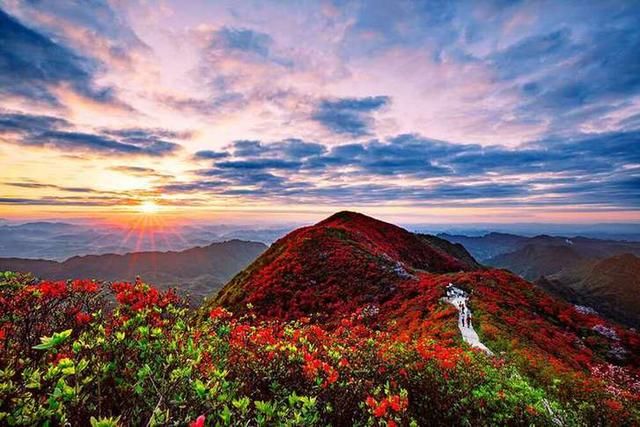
(435, 111)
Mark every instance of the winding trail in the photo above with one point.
(458, 298)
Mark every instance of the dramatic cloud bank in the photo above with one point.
(504, 106)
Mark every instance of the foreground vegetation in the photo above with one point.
(81, 353)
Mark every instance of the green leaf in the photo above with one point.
(104, 422)
(54, 340)
(226, 415)
(200, 388)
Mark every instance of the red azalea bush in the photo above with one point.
(126, 354)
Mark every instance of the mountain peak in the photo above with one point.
(346, 217)
(338, 264)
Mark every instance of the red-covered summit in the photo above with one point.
(337, 266)
(351, 266)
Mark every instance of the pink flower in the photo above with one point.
(199, 422)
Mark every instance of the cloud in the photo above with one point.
(67, 201)
(140, 171)
(52, 132)
(133, 169)
(529, 55)
(243, 40)
(29, 123)
(193, 186)
(291, 148)
(409, 168)
(67, 189)
(139, 134)
(92, 28)
(350, 116)
(32, 66)
(380, 24)
(102, 144)
(259, 164)
(237, 66)
(210, 154)
(575, 75)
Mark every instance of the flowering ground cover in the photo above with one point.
(342, 323)
(83, 352)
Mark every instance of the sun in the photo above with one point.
(148, 207)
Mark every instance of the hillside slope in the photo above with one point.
(533, 261)
(612, 286)
(358, 321)
(336, 266)
(350, 264)
(489, 245)
(199, 271)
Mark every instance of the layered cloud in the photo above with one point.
(410, 168)
(349, 116)
(32, 66)
(404, 103)
(52, 132)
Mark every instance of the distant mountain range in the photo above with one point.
(603, 274)
(59, 241)
(505, 250)
(354, 308)
(603, 231)
(198, 271)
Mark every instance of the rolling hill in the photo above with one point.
(535, 260)
(508, 250)
(198, 271)
(487, 246)
(611, 285)
(336, 266)
(351, 321)
(351, 263)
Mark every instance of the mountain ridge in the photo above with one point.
(199, 270)
(610, 285)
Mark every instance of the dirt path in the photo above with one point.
(459, 298)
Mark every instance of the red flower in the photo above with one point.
(85, 286)
(199, 422)
(394, 402)
(371, 402)
(333, 377)
(531, 410)
(82, 318)
(381, 410)
(219, 313)
(391, 423)
(614, 405)
(53, 289)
